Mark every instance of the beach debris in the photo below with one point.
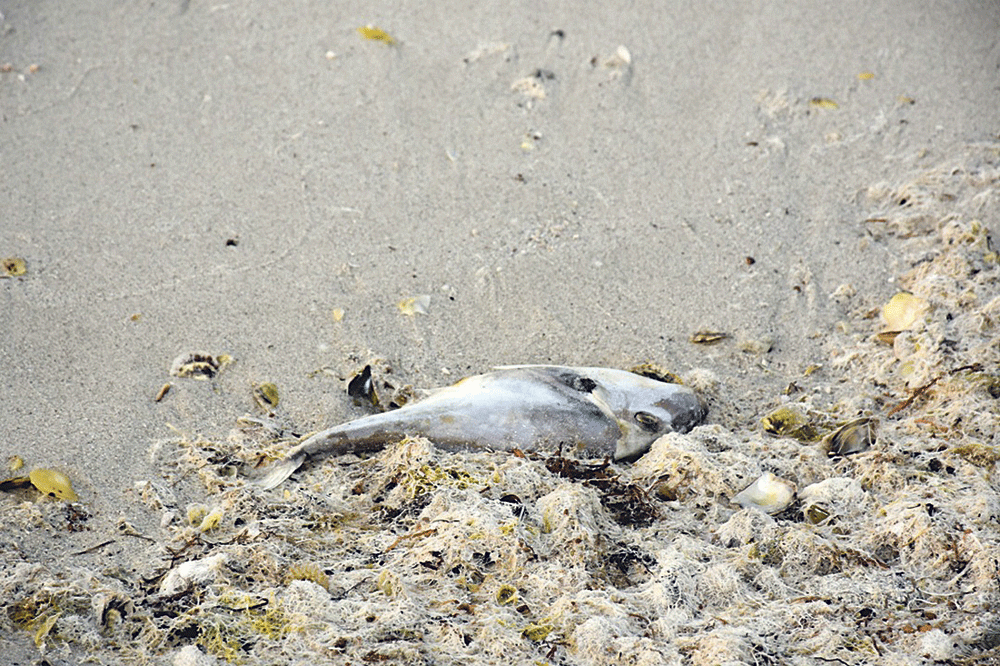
(15, 463)
(13, 267)
(855, 436)
(266, 396)
(823, 103)
(338, 315)
(12, 483)
(760, 346)
(791, 421)
(903, 311)
(768, 493)
(707, 337)
(362, 387)
(53, 483)
(617, 64)
(162, 393)
(533, 86)
(620, 58)
(414, 305)
(657, 372)
(374, 34)
(866, 76)
(199, 365)
(186, 575)
(211, 520)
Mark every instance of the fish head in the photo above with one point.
(646, 409)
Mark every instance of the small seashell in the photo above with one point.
(53, 483)
(769, 493)
(13, 267)
(854, 436)
(414, 306)
(266, 395)
(212, 519)
(902, 311)
(788, 421)
(362, 387)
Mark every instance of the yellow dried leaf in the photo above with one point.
(376, 34)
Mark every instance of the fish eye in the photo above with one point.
(648, 422)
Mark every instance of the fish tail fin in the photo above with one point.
(281, 470)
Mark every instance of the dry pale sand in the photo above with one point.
(581, 186)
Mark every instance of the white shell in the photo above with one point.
(768, 493)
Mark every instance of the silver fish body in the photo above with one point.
(595, 412)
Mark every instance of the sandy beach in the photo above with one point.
(574, 185)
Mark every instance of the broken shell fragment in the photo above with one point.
(266, 395)
(708, 337)
(198, 365)
(362, 387)
(854, 436)
(53, 483)
(13, 267)
(789, 422)
(414, 306)
(654, 371)
(769, 493)
(902, 311)
(162, 392)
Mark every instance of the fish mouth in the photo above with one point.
(686, 415)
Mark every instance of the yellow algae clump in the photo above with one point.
(376, 35)
(902, 311)
(309, 572)
(53, 483)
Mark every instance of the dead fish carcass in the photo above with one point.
(596, 412)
